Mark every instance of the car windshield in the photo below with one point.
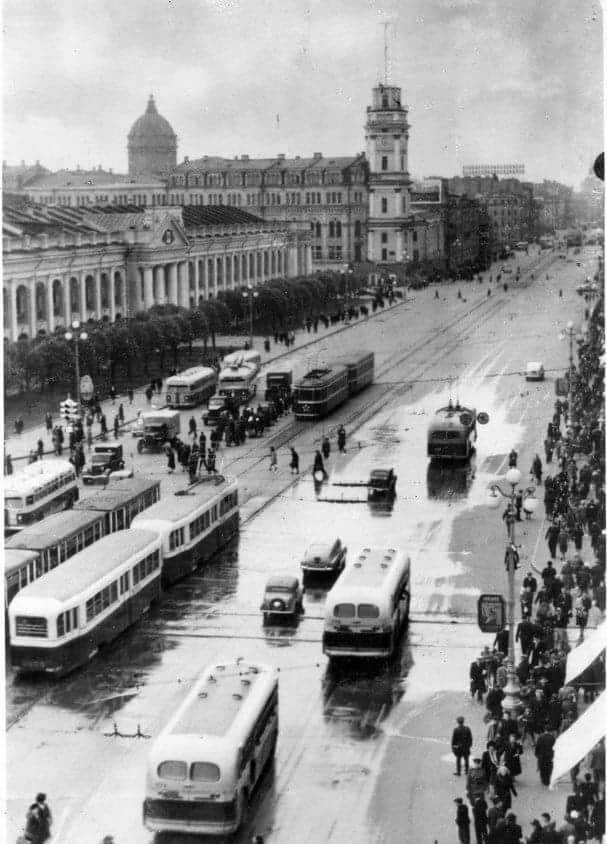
(100, 459)
(283, 589)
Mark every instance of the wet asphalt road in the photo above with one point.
(359, 753)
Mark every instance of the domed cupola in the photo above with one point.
(152, 144)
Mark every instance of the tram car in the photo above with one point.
(361, 370)
(320, 391)
(452, 433)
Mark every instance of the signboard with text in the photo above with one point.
(491, 613)
(428, 190)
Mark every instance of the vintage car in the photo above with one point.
(159, 427)
(282, 596)
(382, 483)
(324, 557)
(534, 371)
(106, 458)
(216, 406)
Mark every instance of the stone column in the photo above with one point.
(196, 282)
(148, 287)
(98, 308)
(12, 292)
(82, 287)
(112, 295)
(173, 284)
(33, 320)
(183, 284)
(307, 259)
(67, 300)
(50, 313)
(160, 285)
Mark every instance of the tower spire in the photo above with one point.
(387, 74)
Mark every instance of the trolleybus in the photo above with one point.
(243, 357)
(191, 387)
(193, 525)
(120, 504)
(368, 607)
(205, 764)
(238, 382)
(38, 489)
(452, 433)
(320, 391)
(59, 622)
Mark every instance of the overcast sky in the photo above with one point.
(486, 81)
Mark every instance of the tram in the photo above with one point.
(193, 525)
(320, 391)
(38, 489)
(59, 622)
(191, 387)
(452, 433)
(203, 768)
(361, 370)
(123, 502)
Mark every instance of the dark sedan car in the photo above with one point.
(283, 596)
(382, 484)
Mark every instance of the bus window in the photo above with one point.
(344, 611)
(204, 772)
(172, 770)
(368, 611)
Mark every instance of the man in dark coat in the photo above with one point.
(477, 782)
(462, 821)
(544, 751)
(479, 812)
(524, 634)
(501, 641)
(461, 744)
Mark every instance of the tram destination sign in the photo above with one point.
(491, 613)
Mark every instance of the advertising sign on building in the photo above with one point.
(428, 190)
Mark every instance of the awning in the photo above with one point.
(572, 745)
(584, 655)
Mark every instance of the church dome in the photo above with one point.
(151, 127)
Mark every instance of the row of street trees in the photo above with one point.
(48, 363)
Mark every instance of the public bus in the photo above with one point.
(121, 503)
(368, 607)
(452, 433)
(59, 621)
(38, 489)
(193, 526)
(204, 766)
(243, 357)
(20, 568)
(191, 387)
(320, 391)
(238, 382)
(361, 370)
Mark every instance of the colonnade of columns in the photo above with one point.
(46, 301)
(188, 281)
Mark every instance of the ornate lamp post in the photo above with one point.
(512, 700)
(250, 294)
(76, 335)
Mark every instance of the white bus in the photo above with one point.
(238, 382)
(243, 357)
(191, 387)
(59, 621)
(368, 607)
(206, 762)
(193, 525)
(38, 489)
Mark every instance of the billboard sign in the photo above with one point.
(428, 190)
(491, 613)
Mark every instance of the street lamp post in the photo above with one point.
(512, 692)
(250, 294)
(76, 335)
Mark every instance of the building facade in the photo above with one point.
(106, 264)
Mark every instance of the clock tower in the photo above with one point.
(387, 136)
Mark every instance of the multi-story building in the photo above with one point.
(588, 204)
(509, 204)
(553, 202)
(103, 263)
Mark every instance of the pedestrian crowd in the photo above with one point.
(571, 597)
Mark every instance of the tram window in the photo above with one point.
(90, 609)
(120, 519)
(368, 611)
(53, 554)
(75, 617)
(38, 567)
(97, 530)
(72, 546)
(23, 576)
(343, 611)
(60, 625)
(452, 435)
(214, 513)
(45, 562)
(68, 621)
(89, 536)
(114, 591)
(439, 435)
(172, 770)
